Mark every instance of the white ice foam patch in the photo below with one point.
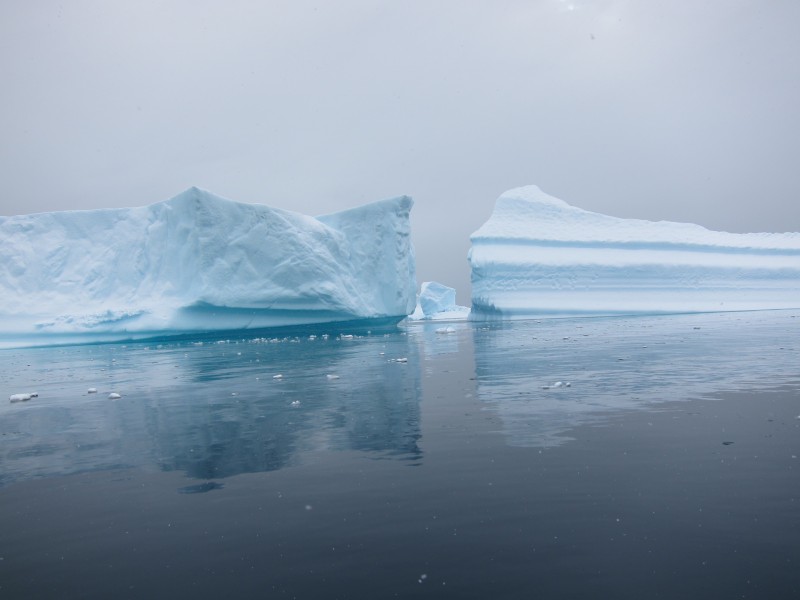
(539, 256)
(199, 262)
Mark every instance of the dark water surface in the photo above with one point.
(668, 468)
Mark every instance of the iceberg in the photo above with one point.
(438, 302)
(198, 263)
(539, 256)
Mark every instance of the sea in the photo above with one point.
(625, 457)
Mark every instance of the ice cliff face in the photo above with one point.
(539, 256)
(198, 262)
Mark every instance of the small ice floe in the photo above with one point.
(556, 385)
(278, 376)
(22, 397)
(295, 403)
(446, 330)
(332, 376)
(346, 336)
(114, 396)
(399, 360)
(91, 391)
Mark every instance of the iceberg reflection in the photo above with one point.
(616, 364)
(212, 409)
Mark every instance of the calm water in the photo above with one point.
(410, 463)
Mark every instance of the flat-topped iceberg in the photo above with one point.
(198, 262)
(539, 256)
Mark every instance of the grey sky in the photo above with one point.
(679, 110)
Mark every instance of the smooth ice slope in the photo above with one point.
(539, 256)
(199, 262)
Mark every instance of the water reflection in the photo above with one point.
(212, 409)
(523, 368)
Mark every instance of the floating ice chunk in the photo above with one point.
(24, 397)
(446, 330)
(346, 336)
(114, 396)
(438, 302)
(91, 391)
(332, 376)
(278, 376)
(556, 385)
(295, 403)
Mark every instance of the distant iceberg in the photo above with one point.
(438, 302)
(539, 256)
(198, 262)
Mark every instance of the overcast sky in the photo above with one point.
(684, 110)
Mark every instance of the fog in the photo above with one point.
(680, 111)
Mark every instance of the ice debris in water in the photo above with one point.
(278, 376)
(446, 330)
(22, 397)
(556, 385)
(114, 396)
(295, 403)
(332, 376)
(91, 391)
(400, 360)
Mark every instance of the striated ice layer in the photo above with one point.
(198, 262)
(539, 256)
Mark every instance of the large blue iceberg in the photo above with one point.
(198, 262)
(539, 256)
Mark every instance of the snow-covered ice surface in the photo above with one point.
(198, 262)
(438, 302)
(539, 256)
